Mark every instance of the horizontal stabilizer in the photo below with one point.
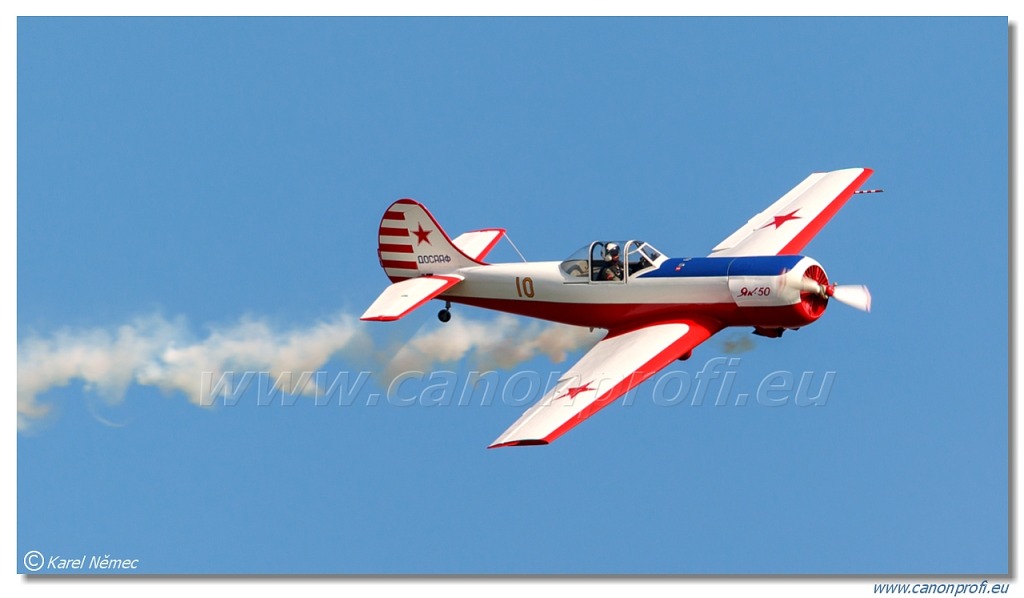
(402, 297)
(478, 243)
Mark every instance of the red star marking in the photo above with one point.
(422, 235)
(780, 220)
(572, 391)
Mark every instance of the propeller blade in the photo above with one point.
(854, 295)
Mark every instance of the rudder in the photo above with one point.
(411, 243)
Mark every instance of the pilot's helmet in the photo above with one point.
(611, 252)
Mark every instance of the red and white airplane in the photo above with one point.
(656, 309)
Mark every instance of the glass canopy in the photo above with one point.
(610, 261)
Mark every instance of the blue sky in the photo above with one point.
(200, 185)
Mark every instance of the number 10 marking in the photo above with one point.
(524, 287)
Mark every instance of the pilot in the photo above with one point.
(612, 269)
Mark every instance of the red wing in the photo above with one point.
(792, 221)
(609, 370)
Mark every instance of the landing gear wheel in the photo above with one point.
(444, 315)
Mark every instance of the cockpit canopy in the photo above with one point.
(610, 261)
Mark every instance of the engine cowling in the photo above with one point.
(778, 292)
(813, 301)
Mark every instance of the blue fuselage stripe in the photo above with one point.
(689, 267)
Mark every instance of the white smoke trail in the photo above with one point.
(163, 353)
(499, 343)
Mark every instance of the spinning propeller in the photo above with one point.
(854, 295)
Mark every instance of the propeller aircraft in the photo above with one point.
(656, 309)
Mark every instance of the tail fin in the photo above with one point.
(411, 243)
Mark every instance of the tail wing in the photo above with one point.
(411, 243)
(402, 297)
(478, 243)
(420, 259)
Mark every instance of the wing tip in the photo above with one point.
(850, 169)
(863, 173)
(525, 442)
